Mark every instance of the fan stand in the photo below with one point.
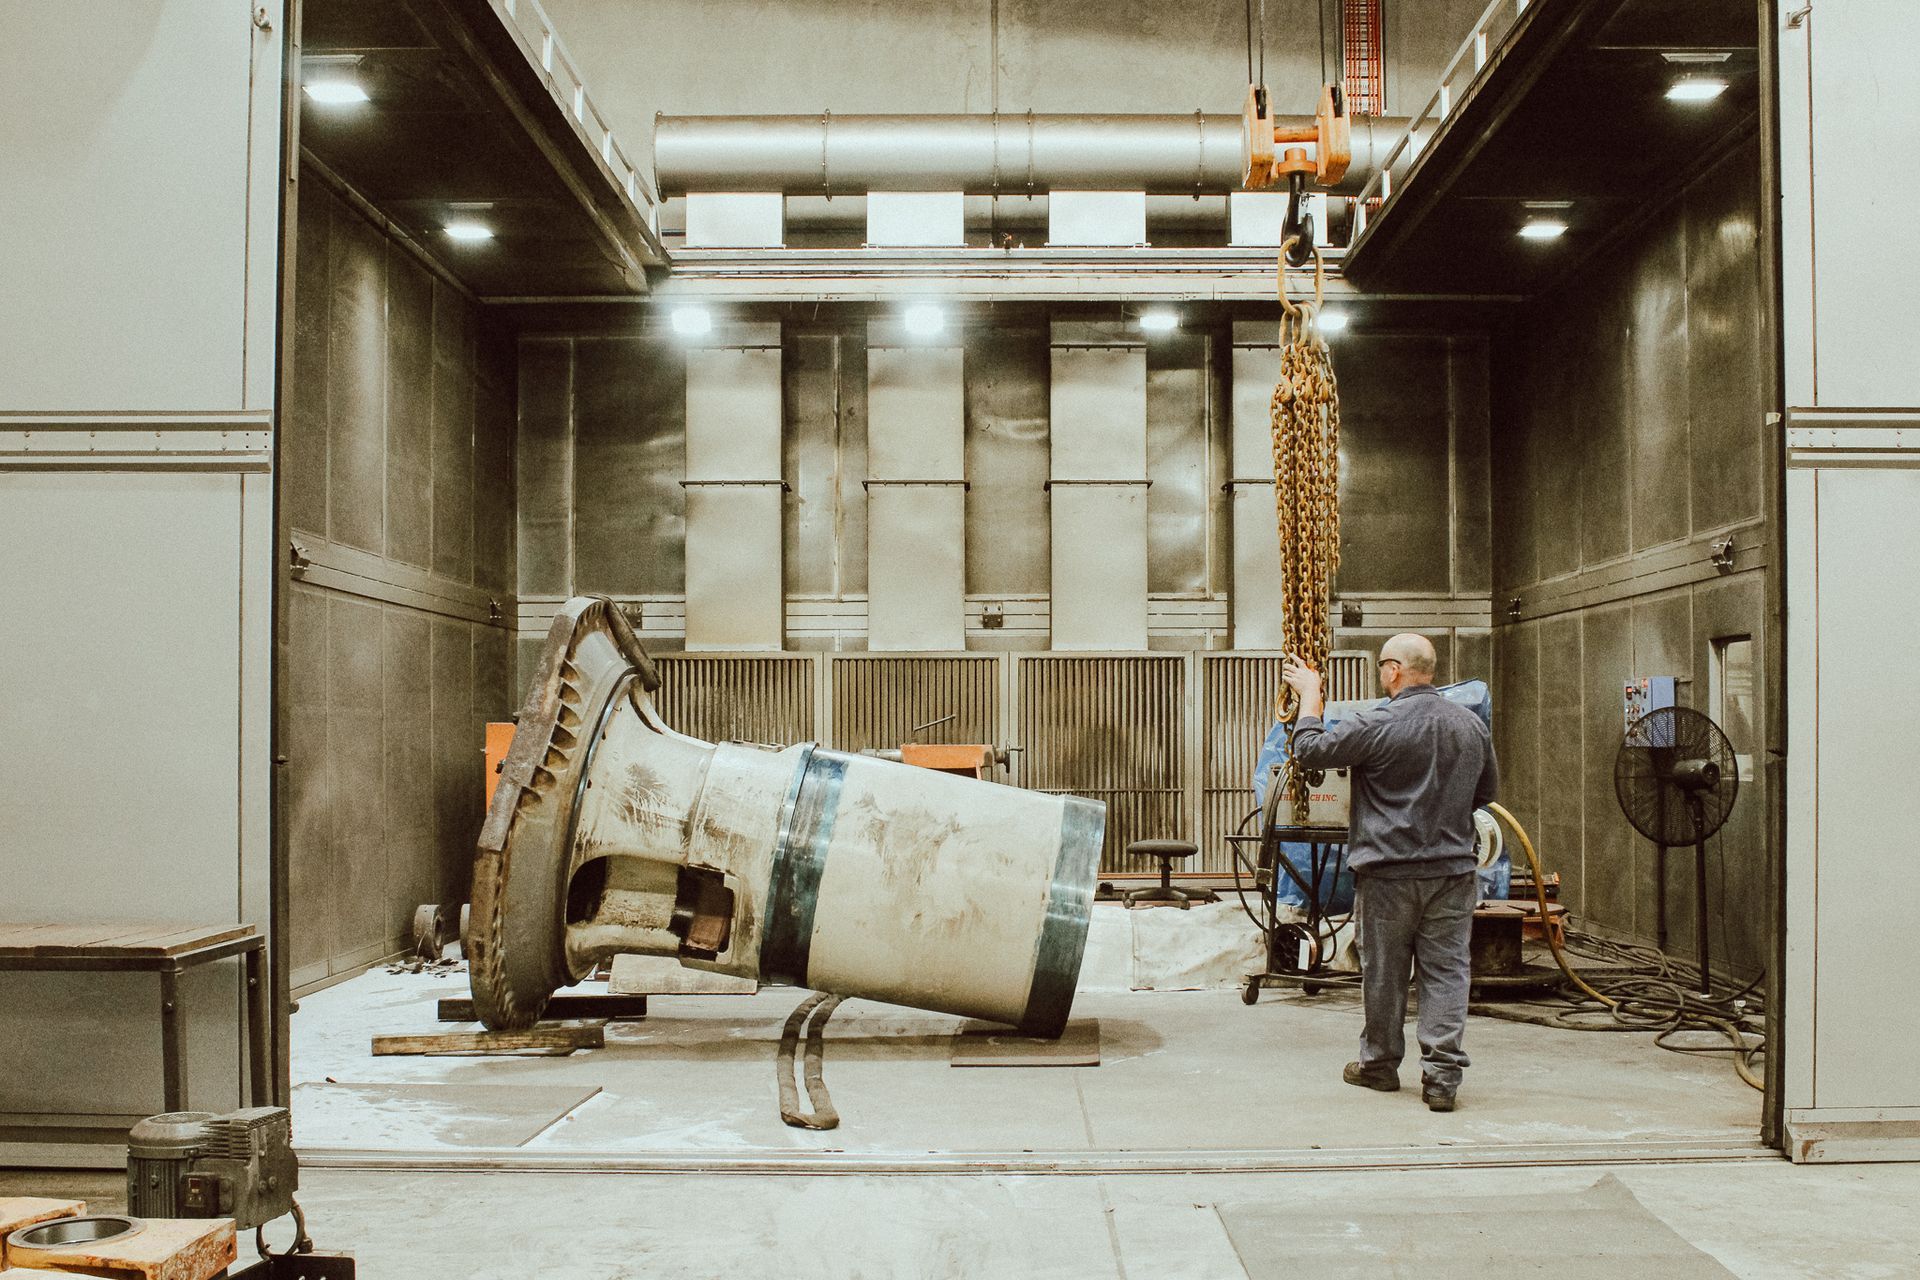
(1700, 930)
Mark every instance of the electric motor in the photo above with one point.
(195, 1164)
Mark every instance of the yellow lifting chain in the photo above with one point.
(1305, 416)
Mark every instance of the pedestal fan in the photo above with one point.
(1676, 779)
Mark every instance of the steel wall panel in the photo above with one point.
(1865, 107)
(734, 517)
(1008, 544)
(1867, 597)
(1258, 619)
(1179, 449)
(1099, 529)
(916, 423)
(124, 801)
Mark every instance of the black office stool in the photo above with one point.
(1166, 851)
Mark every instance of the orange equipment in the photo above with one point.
(499, 738)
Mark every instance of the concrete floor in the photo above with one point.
(1182, 1072)
(1759, 1219)
(716, 1186)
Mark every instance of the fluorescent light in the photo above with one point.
(335, 92)
(1542, 229)
(1333, 321)
(469, 231)
(924, 320)
(692, 322)
(1159, 320)
(1696, 89)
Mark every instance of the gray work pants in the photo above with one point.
(1425, 925)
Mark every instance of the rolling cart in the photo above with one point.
(1298, 953)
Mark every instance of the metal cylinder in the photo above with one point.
(1000, 152)
(610, 833)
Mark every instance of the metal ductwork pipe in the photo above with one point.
(609, 833)
(1002, 153)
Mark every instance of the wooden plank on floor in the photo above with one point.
(987, 1044)
(615, 1008)
(545, 1038)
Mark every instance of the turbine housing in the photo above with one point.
(610, 833)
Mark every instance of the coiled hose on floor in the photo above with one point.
(1653, 998)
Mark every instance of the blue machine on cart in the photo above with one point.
(1336, 890)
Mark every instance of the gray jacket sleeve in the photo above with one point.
(1345, 746)
(1488, 788)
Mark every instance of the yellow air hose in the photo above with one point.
(1725, 1027)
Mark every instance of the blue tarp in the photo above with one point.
(1336, 889)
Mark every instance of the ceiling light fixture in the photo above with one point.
(924, 320)
(692, 322)
(1159, 320)
(335, 91)
(1542, 229)
(469, 232)
(1696, 89)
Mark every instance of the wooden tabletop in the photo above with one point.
(50, 941)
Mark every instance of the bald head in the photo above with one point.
(1413, 662)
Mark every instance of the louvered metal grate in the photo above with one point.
(738, 697)
(1239, 692)
(882, 702)
(1110, 728)
(1350, 675)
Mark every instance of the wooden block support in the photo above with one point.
(163, 1249)
(615, 1008)
(551, 1037)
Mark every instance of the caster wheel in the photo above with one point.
(1310, 988)
(1250, 994)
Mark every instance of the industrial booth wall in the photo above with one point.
(1629, 438)
(1122, 56)
(1850, 269)
(398, 494)
(607, 479)
(139, 195)
(603, 465)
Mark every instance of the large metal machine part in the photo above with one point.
(610, 833)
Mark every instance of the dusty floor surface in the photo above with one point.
(1179, 1071)
(1757, 1219)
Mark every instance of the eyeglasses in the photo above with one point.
(1395, 661)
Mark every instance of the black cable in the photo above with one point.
(1263, 41)
(1657, 994)
(1250, 79)
(1321, 7)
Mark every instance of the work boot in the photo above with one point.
(1383, 1078)
(1437, 1097)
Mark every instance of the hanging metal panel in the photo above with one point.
(882, 702)
(1111, 728)
(739, 697)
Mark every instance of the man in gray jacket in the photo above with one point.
(1421, 766)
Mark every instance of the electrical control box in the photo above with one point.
(1647, 693)
(1329, 797)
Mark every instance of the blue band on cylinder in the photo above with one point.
(806, 829)
(1063, 937)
